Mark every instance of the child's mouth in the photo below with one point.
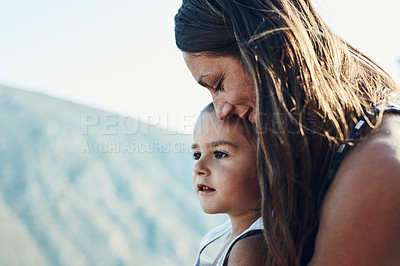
(204, 189)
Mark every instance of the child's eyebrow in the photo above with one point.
(216, 144)
(194, 146)
(222, 142)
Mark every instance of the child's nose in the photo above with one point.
(200, 167)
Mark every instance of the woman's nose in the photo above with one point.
(223, 109)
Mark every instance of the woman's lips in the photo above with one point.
(247, 114)
(251, 116)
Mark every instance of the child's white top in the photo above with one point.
(214, 234)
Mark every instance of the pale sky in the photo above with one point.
(121, 56)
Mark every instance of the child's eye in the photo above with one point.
(220, 154)
(196, 155)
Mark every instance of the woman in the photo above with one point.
(329, 158)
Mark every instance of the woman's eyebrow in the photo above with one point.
(200, 80)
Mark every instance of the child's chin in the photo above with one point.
(208, 211)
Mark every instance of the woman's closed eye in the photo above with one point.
(220, 154)
(219, 87)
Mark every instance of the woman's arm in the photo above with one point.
(360, 219)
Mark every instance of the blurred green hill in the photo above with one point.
(81, 186)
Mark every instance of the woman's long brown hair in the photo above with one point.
(311, 86)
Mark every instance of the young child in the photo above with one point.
(225, 181)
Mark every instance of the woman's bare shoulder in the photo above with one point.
(249, 251)
(360, 218)
(379, 154)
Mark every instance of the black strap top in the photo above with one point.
(344, 148)
(335, 163)
(248, 234)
